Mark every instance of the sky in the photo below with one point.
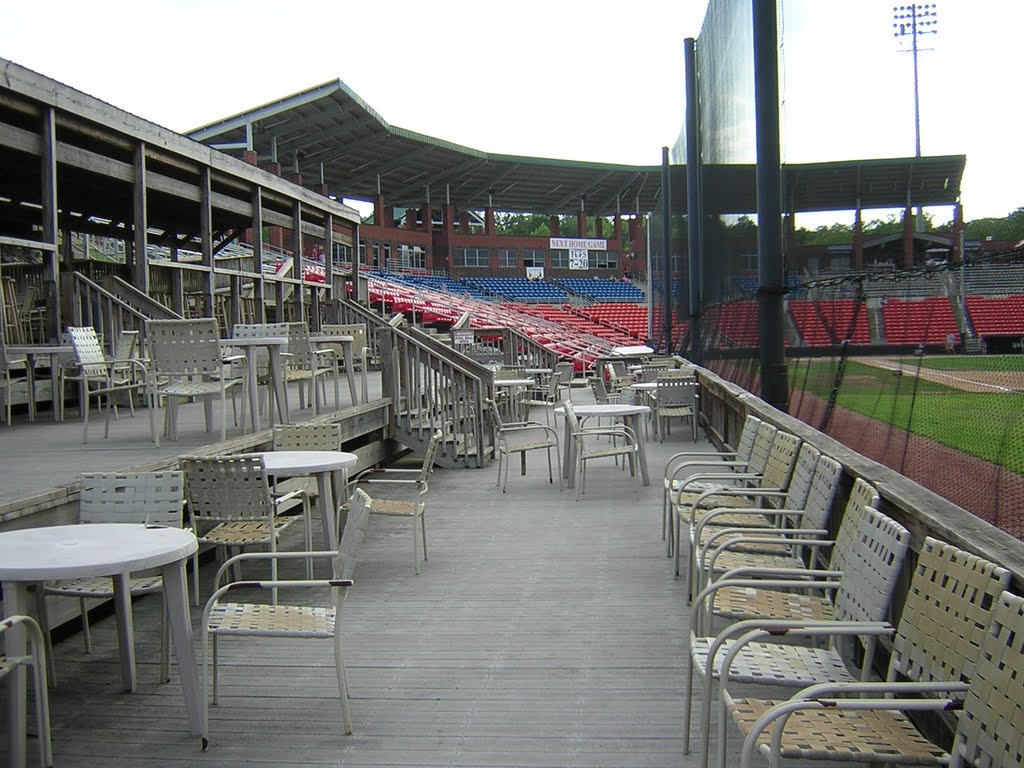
(570, 79)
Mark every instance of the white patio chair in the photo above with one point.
(774, 476)
(308, 621)
(546, 396)
(681, 465)
(7, 363)
(862, 596)
(522, 437)
(623, 443)
(152, 498)
(957, 648)
(101, 377)
(186, 361)
(360, 347)
(231, 505)
(675, 397)
(36, 661)
(804, 517)
(414, 508)
(307, 365)
(262, 356)
(309, 436)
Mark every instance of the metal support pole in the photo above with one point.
(694, 214)
(666, 236)
(771, 278)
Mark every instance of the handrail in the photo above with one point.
(93, 305)
(133, 297)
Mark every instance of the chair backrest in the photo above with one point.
(988, 730)
(88, 351)
(310, 436)
(570, 416)
(802, 477)
(495, 414)
(600, 390)
(676, 392)
(429, 457)
(259, 330)
(299, 347)
(821, 494)
(352, 535)
(872, 568)
(127, 345)
(863, 496)
(781, 459)
(184, 347)
(131, 497)
(356, 330)
(946, 615)
(563, 372)
(745, 444)
(505, 373)
(762, 448)
(223, 488)
(4, 361)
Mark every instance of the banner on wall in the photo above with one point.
(579, 258)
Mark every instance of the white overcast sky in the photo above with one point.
(573, 79)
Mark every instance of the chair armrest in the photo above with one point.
(227, 564)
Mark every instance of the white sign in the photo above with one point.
(535, 273)
(461, 337)
(587, 243)
(579, 258)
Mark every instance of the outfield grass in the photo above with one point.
(986, 425)
(995, 363)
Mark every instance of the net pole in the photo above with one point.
(771, 278)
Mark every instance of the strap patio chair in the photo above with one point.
(307, 365)
(415, 507)
(262, 356)
(152, 498)
(308, 436)
(774, 476)
(675, 397)
(587, 448)
(312, 620)
(7, 364)
(522, 437)
(101, 377)
(230, 504)
(186, 361)
(546, 396)
(36, 661)
(360, 347)
(957, 648)
(804, 517)
(862, 597)
(681, 465)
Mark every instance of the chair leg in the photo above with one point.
(44, 628)
(165, 642)
(37, 647)
(423, 531)
(86, 634)
(415, 548)
(339, 668)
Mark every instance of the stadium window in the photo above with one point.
(362, 251)
(376, 255)
(472, 257)
(508, 257)
(343, 253)
(535, 258)
(603, 260)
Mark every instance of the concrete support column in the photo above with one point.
(489, 221)
(581, 223)
(598, 227)
(908, 237)
(858, 238)
(464, 223)
(958, 233)
(553, 225)
(427, 216)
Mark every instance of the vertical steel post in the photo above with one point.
(694, 214)
(666, 236)
(771, 273)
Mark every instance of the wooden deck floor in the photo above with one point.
(541, 632)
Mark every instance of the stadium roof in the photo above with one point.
(328, 133)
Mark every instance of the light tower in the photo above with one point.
(912, 21)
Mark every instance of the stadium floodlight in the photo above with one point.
(911, 21)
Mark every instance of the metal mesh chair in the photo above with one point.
(306, 365)
(153, 498)
(231, 505)
(676, 397)
(186, 362)
(101, 377)
(522, 437)
(957, 646)
(623, 443)
(6, 381)
(249, 619)
(413, 508)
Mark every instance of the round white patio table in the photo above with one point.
(345, 342)
(323, 464)
(630, 415)
(100, 549)
(274, 345)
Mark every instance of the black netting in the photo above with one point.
(921, 370)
